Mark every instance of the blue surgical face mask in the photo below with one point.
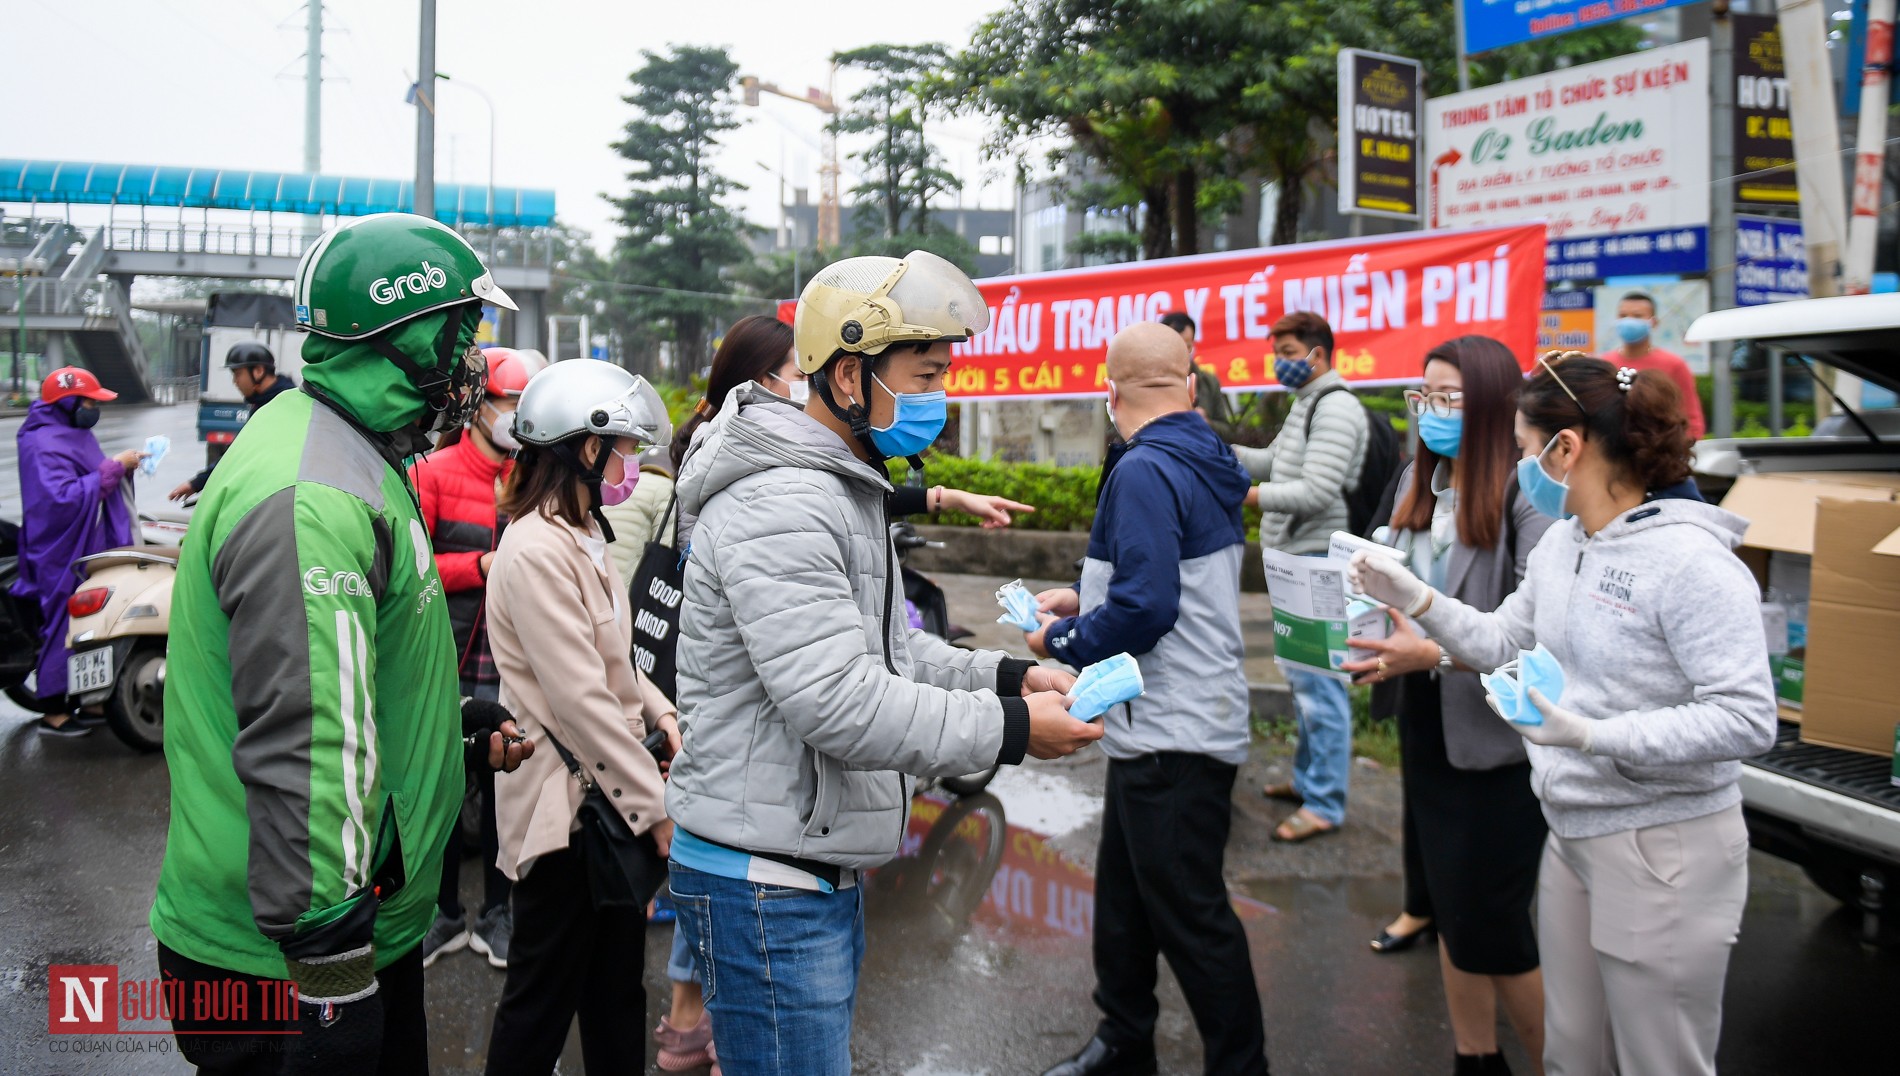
(1509, 686)
(1294, 372)
(916, 420)
(1632, 330)
(1545, 493)
(1442, 433)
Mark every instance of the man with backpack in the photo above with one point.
(1316, 478)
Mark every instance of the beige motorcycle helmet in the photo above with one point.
(861, 306)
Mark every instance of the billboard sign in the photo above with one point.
(1613, 156)
(1764, 134)
(1771, 261)
(1379, 147)
(1493, 24)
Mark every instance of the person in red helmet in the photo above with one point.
(78, 501)
(457, 485)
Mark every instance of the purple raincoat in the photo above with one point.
(75, 501)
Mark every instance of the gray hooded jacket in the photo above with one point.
(805, 698)
(1657, 626)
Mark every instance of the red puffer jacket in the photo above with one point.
(457, 487)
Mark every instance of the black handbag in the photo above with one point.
(624, 869)
(655, 596)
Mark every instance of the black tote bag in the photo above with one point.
(655, 596)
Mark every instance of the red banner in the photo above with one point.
(1389, 300)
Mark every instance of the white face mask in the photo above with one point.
(501, 429)
(799, 392)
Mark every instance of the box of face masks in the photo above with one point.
(1813, 543)
(1314, 619)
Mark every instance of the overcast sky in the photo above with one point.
(219, 83)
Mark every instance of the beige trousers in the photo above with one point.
(1634, 930)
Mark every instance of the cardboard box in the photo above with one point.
(1853, 624)
(1853, 599)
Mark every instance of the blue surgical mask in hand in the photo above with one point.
(1109, 681)
(1509, 686)
(1019, 606)
(156, 445)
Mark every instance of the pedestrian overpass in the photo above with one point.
(74, 283)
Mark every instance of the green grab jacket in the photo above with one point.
(311, 703)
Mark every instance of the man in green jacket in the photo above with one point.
(311, 696)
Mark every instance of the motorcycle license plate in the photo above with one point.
(89, 670)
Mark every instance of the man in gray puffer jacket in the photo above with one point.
(805, 697)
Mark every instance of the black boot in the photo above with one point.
(1098, 1058)
(1480, 1065)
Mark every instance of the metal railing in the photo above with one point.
(50, 296)
(529, 248)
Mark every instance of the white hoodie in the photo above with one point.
(1657, 626)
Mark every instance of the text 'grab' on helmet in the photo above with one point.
(366, 277)
(864, 305)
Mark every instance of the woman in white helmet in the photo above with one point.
(560, 633)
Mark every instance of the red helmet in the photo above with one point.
(508, 373)
(73, 381)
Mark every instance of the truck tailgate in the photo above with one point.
(1847, 796)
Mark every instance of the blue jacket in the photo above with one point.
(1162, 582)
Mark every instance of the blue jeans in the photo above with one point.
(680, 965)
(779, 968)
(1322, 763)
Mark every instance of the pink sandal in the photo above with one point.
(688, 1049)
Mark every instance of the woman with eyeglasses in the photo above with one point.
(1654, 688)
(1473, 831)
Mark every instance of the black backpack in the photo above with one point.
(1385, 456)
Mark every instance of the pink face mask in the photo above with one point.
(620, 491)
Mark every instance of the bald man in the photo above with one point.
(1162, 582)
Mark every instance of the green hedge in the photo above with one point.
(1064, 496)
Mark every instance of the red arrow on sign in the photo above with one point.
(1450, 156)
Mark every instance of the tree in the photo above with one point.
(902, 168)
(679, 236)
(1186, 102)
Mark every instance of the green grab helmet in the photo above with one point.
(375, 272)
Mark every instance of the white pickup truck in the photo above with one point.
(1835, 813)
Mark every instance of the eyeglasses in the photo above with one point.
(1549, 362)
(1441, 404)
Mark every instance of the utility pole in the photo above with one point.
(1870, 153)
(425, 114)
(313, 92)
(1817, 142)
(1721, 210)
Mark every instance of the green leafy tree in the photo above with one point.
(901, 167)
(1187, 103)
(679, 236)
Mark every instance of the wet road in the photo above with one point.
(979, 955)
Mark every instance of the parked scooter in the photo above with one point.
(120, 618)
(925, 604)
(19, 632)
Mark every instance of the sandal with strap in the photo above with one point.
(1282, 790)
(1300, 826)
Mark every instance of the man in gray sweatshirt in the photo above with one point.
(1303, 480)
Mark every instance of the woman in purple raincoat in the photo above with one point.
(75, 501)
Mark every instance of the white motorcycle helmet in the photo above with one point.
(569, 401)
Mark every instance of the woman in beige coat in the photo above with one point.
(560, 630)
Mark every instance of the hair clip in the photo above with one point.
(703, 407)
(1625, 377)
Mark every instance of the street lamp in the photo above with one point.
(783, 240)
(490, 102)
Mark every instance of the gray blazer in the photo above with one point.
(1475, 737)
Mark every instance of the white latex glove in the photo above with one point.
(1388, 582)
(1561, 727)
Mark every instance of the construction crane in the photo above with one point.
(824, 101)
